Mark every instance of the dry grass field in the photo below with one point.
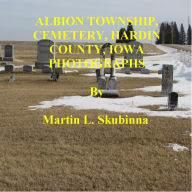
(180, 47)
(34, 156)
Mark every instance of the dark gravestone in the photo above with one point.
(9, 53)
(4, 63)
(10, 67)
(160, 71)
(97, 73)
(43, 53)
(126, 70)
(134, 57)
(145, 71)
(111, 89)
(59, 70)
(27, 68)
(54, 76)
(107, 70)
(172, 101)
(46, 69)
(167, 79)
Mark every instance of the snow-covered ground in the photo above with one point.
(16, 67)
(182, 73)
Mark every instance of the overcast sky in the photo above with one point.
(18, 17)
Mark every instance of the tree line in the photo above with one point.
(170, 34)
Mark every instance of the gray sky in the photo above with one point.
(18, 17)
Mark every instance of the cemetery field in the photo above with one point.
(26, 51)
(37, 156)
(82, 157)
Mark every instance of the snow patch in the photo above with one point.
(177, 147)
(182, 73)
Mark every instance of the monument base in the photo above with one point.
(109, 93)
(7, 58)
(46, 69)
(134, 67)
(39, 65)
(126, 70)
(102, 82)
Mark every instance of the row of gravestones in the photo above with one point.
(111, 91)
(8, 53)
(43, 58)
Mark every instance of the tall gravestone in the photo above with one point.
(134, 57)
(9, 53)
(43, 53)
(167, 79)
(1, 54)
(111, 89)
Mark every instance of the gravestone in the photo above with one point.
(126, 70)
(10, 67)
(27, 68)
(9, 53)
(134, 57)
(172, 101)
(4, 63)
(12, 78)
(103, 82)
(107, 70)
(54, 76)
(97, 71)
(145, 71)
(46, 69)
(43, 53)
(1, 58)
(59, 70)
(167, 79)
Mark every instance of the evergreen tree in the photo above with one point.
(189, 35)
(168, 34)
(161, 39)
(182, 36)
(175, 33)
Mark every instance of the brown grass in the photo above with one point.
(180, 47)
(27, 51)
(82, 157)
